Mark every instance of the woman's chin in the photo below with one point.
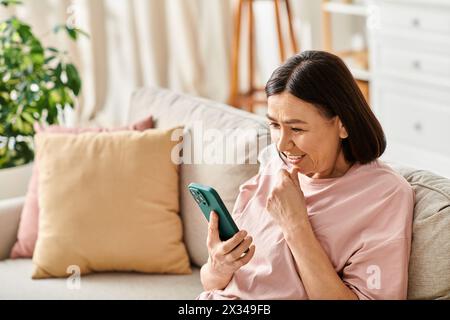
(302, 169)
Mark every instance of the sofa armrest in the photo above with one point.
(10, 211)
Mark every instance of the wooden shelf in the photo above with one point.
(345, 8)
(361, 74)
(357, 62)
(364, 87)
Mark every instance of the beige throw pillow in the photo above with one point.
(109, 202)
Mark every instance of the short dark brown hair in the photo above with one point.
(322, 79)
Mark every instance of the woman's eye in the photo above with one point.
(297, 130)
(274, 125)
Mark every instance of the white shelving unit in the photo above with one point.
(410, 85)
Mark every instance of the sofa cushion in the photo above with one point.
(16, 284)
(429, 267)
(214, 130)
(10, 210)
(28, 227)
(109, 202)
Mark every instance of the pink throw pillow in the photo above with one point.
(28, 226)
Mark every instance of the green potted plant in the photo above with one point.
(37, 83)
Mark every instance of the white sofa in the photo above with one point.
(430, 256)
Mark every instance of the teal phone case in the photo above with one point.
(209, 200)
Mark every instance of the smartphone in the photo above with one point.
(209, 200)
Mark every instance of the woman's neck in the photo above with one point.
(340, 168)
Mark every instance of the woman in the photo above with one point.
(326, 219)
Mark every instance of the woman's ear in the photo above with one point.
(343, 134)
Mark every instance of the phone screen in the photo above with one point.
(209, 200)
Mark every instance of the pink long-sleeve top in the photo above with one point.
(363, 221)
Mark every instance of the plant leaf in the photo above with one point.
(36, 83)
(74, 81)
(7, 3)
(52, 49)
(72, 32)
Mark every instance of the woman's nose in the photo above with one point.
(284, 143)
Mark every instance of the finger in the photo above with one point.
(285, 175)
(282, 174)
(291, 176)
(213, 229)
(233, 242)
(245, 259)
(270, 202)
(241, 248)
(294, 177)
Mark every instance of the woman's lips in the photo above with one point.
(294, 159)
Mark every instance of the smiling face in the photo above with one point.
(310, 141)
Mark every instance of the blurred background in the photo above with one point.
(185, 45)
(225, 50)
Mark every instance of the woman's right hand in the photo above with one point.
(226, 257)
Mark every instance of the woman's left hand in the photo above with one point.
(286, 202)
